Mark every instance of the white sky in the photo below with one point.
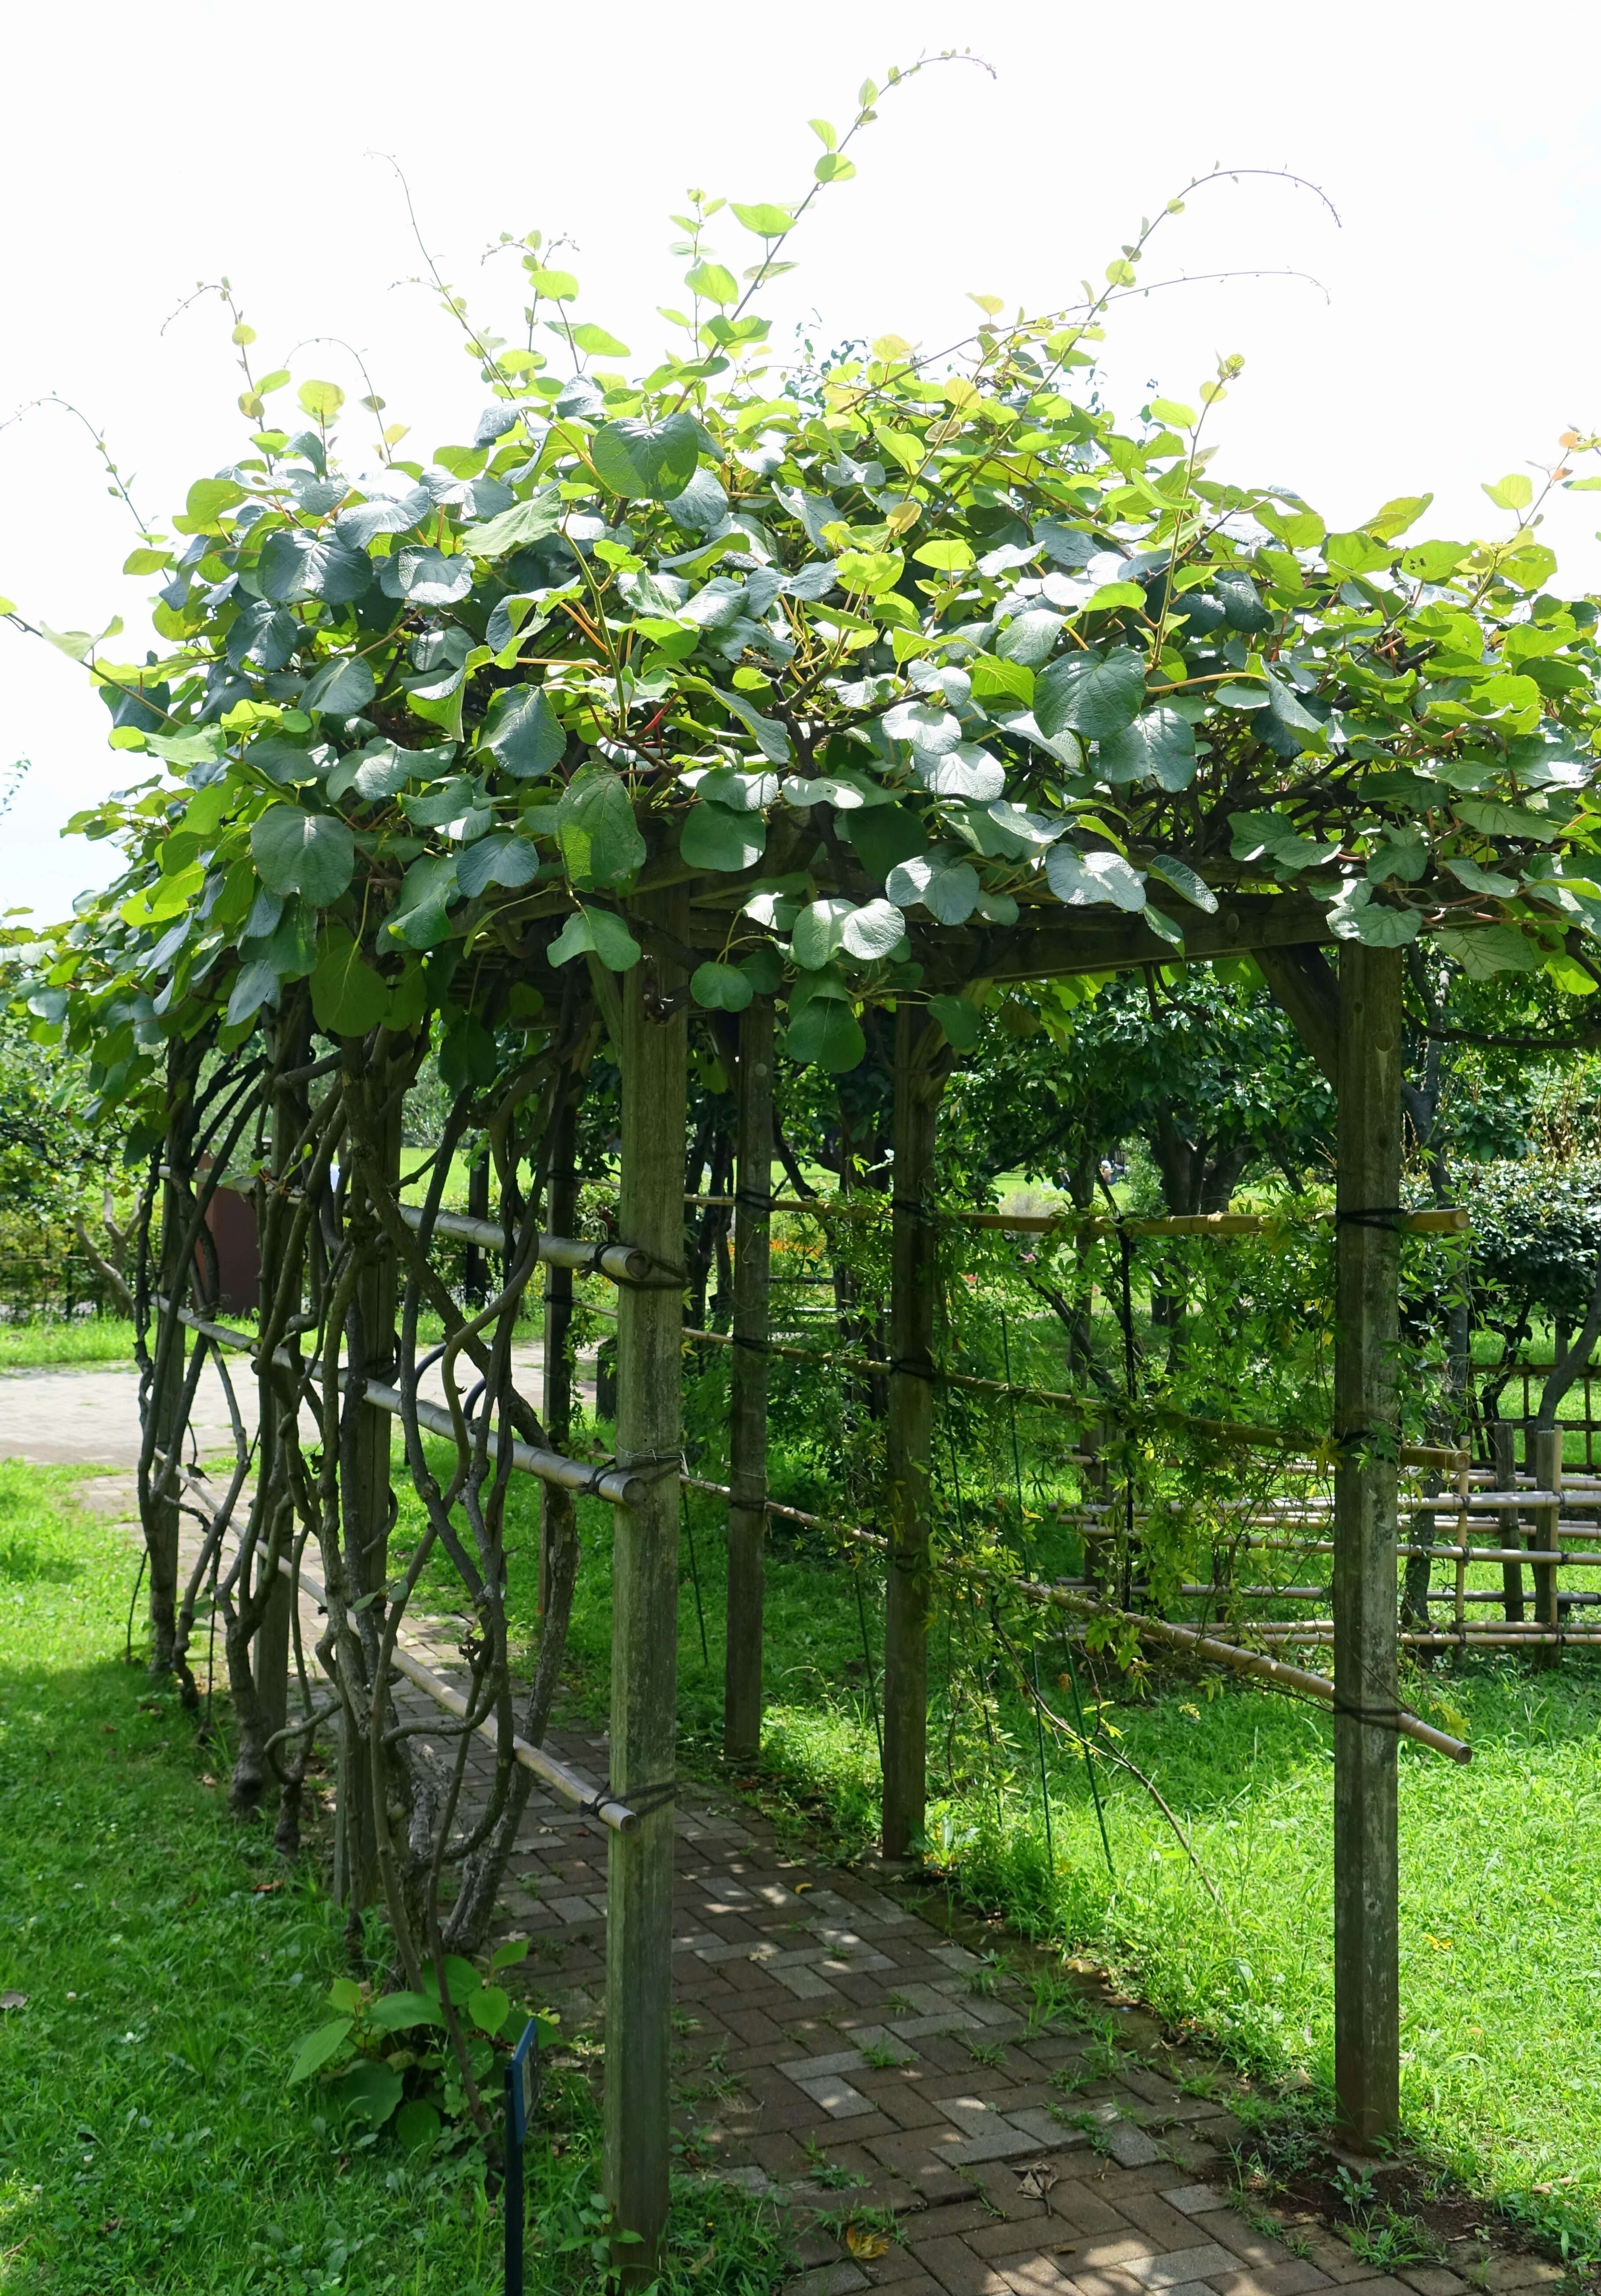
(147, 148)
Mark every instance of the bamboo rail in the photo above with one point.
(1291, 1679)
(1450, 1220)
(569, 1784)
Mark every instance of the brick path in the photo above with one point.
(839, 2054)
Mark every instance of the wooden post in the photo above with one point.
(1503, 1454)
(748, 1386)
(558, 1511)
(645, 1601)
(161, 1516)
(1544, 1463)
(919, 1075)
(1367, 1255)
(367, 1499)
(274, 1637)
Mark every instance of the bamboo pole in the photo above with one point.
(644, 1601)
(1366, 1327)
(1444, 1220)
(913, 1287)
(1061, 1596)
(748, 1386)
(1503, 1454)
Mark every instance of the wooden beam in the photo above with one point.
(1304, 984)
(558, 1508)
(748, 1386)
(1366, 1271)
(921, 1064)
(654, 1032)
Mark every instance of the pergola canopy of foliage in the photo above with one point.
(893, 662)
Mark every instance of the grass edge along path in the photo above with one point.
(149, 2138)
(1501, 1862)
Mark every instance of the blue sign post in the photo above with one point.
(521, 2088)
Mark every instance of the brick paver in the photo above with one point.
(825, 2060)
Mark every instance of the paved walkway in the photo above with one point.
(925, 2126)
(90, 1417)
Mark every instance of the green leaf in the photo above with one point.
(599, 933)
(1183, 879)
(556, 286)
(1498, 820)
(397, 2013)
(720, 988)
(498, 859)
(1161, 924)
(815, 937)
(712, 283)
(300, 564)
(370, 2091)
(507, 1955)
(1087, 880)
(1432, 561)
(523, 731)
(1160, 746)
(313, 854)
(826, 1032)
(317, 2047)
(1090, 693)
(595, 828)
(345, 1995)
(872, 931)
(1482, 950)
(347, 998)
(1383, 927)
(826, 133)
(649, 462)
(341, 689)
(715, 837)
(514, 529)
(321, 400)
(946, 555)
(948, 889)
(1356, 553)
(834, 167)
(1515, 491)
(146, 562)
(597, 342)
(209, 498)
(489, 2008)
(417, 2124)
(1030, 638)
(1480, 880)
(959, 1019)
(420, 916)
(771, 738)
(765, 220)
(1396, 516)
(1297, 530)
(1399, 855)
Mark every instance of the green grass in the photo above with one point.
(1501, 1862)
(148, 2137)
(97, 1340)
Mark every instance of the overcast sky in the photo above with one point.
(1451, 334)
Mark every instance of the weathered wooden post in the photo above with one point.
(920, 1066)
(1544, 1465)
(366, 1498)
(1367, 1333)
(748, 1385)
(558, 1508)
(166, 1405)
(1503, 1453)
(644, 1599)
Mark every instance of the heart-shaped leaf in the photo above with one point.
(341, 689)
(500, 859)
(1091, 693)
(599, 837)
(826, 1032)
(1160, 746)
(596, 933)
(347, 998)
(650, 461)
(1086, 880)
(524, 732)
(299, 564)
(872, 931)
(713, 837)
(720, 988)
(312, 854)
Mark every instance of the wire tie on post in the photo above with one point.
(647, 1798)
(1387, 1217)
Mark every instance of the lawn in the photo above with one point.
(149, 2138)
